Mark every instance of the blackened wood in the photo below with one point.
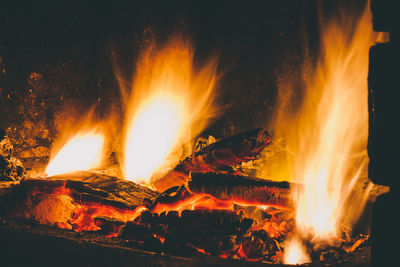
(117, 188)
(94, 188)
(209, 223)
(206, 231)
(241, 189)
(41, 245)
(218, 156)
(109, 226)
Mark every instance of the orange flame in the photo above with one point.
(84, 151)
(329, 135)
(295, 252)
(169, 104)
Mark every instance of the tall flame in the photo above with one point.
(329, 135)
(84, 151)
(170, 103)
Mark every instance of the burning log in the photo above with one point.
(217, 157)
(222, 191)
(109, 226)
(242, 189)
(89, 187)
(81, 201)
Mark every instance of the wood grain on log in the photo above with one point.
(241, 189)
(93, 187)
(225, 189)
(76, 200)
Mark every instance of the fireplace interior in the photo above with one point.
(238, 110)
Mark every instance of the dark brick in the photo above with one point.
(385, 15)
(383, 83)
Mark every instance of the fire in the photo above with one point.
(169, 104)
(329, 135)
(295, 253)
(152, 136)
(84, 151)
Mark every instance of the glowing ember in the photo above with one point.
(294, 253)
(168, 106)
(81, 152)
(329, 136)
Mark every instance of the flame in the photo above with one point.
(295, 252)
(84, 151)
(329, 135)
(152, 136)
(169, 104)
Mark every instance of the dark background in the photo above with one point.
(56, 56)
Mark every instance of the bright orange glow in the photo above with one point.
(169, 104)
(295, 253)
(329, 135)
(84, 151)
(152, 136)
(85, 214)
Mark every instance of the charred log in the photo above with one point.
(217, 157)
(87, 187)
(225, 190)
(206, 231)
(78, 201)
(241, 189)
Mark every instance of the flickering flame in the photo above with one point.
(84, 151)
(329, 136)
(169, 104)
(152, 136)
(295, 253)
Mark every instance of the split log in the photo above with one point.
(217, 157)
(242, 189)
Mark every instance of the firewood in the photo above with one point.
(108, 226)
(224, 189)
(209, 223)
(217, 157)
(91, 187)
(242, 189)
(170, 199)
(76, 201)
(211, 231)
(207, 231)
